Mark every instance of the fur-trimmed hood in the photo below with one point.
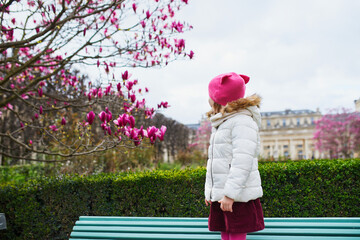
(246, 106)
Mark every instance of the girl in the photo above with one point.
(233, 184)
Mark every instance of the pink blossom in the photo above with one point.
(102, 116)
(134, 7)
(164, 105)
(40, 92)
(53, 128)
(160, 133)
(143, 24)
(129, 85)
(30, 142)
(100, 93)
(148, 14)
(63, 121)
(90, 117)
(125, 75)
(108, 116)
(41, 110)
(191, 55)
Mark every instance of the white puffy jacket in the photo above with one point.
(232, 167)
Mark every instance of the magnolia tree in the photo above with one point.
(202, 137)
(46, 107)
(338, 133)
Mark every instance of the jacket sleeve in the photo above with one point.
(244, 144)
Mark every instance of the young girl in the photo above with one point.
(233, 184)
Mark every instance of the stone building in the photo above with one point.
(288, 134)
(357, 105)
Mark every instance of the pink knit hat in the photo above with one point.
(227, 87)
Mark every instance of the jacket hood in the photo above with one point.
(243, 106)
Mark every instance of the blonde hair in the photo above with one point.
(241, 103)
(215, 109)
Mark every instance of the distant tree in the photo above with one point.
(202, 138)
(176, 139)
(40, 93)
(338, 133)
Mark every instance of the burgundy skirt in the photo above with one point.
(246, 217)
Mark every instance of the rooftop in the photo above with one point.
(287, 112)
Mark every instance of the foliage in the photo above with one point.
(43, 99)
(338, 133)
(24, 173)
(48, 208)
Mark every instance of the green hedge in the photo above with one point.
(48, 208)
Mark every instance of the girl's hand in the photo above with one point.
(207, 202)
(226, 204)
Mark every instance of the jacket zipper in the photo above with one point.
(212, 162)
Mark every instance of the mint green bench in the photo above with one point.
(101, 228)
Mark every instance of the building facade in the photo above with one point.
(357, 105)
(289, 134)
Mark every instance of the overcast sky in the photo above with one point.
(299, 54)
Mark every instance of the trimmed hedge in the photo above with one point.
(48, 208)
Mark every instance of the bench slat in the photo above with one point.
(144, 230)
(270, 231)
(139, 236)
(331, 225)
(186, 219)
(142, 223)
(94, 235)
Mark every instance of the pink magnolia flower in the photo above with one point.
(134, 7)
(108, 89)
(53, 128)
(191, 55)
(131, 121)
(63, 121)
(143, 24)
(102, 116)
(164, 105)
(160, 133)
(40, 92)
(129, 85)
(125, 75)
(30, 142)
(151, 134)
(90, 117)
(100, 93)
(148, 14)
(108, 116)
(41, 110)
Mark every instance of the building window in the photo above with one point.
(286, 146)
(298, 121)
(300, 154)
(299, 145)
(286, 154)
(268, 123)
(284, 122)
(312, 121)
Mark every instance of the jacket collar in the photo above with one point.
(253, 111)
